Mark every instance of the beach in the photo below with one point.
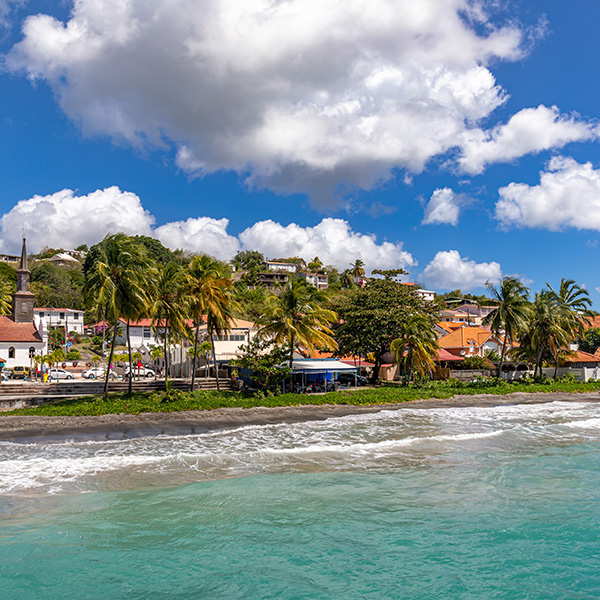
(126, 426)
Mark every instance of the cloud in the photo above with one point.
(332, 240)
(5, 8)
(449, 271)
(203, 234)
(65, 219)
(443, 207)
(530, 130)
(296, 95)
(568, 195)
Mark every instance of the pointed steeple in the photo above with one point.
(22, 305)
(23, 263)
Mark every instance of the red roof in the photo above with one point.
(17, 332)
(444, 355)
(580, 356)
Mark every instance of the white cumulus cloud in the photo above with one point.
(66, 220)
(443, 207)
(203, 234)
(568, 195)
(332, 240)
(530, 130)
(300, 95)
(449, 271)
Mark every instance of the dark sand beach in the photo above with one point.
(122, 426)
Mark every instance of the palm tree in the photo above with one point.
(544, 334)
(417, 346)
(573, 303)
(346, 280)
(119, 281)
(512, 308)
(6, 290)
(209, 297)
(315, 265)
(357, 270)
(297, 317)
(169, 306)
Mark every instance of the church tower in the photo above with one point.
(22, 305)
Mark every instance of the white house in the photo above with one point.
(67, 318)
(275, 265)
(318, 280)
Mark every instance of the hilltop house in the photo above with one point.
(470, 341)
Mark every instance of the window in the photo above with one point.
(237, 337)
(62, 315)
(147, 333)
(31, 352)
(11, 352)
(76, 315)
(41, 315)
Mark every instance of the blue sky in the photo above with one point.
(456, 139)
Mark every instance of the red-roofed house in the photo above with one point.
(470, 341)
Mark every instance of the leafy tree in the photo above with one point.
(82, 248)
(57, 287)
(8, 272)
(512, 309)
(264, 358)
(57, 338)
(346, 279)
(589, 340)
(248, 260)
(250, 301)
(373, 316)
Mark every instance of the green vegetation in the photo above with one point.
(207, 400)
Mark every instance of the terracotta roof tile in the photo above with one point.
(17, 332)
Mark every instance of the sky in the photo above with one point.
(456, 139)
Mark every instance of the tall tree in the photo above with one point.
(118, 280)
(373, 316)
(417, 346)
(545, 333)
(169, 307)
(209, 290)
(511, 311)
(298, 317)
(358, 269)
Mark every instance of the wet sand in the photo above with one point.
(123, 426)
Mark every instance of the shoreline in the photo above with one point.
(128, 426)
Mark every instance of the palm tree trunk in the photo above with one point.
(130, 382)
(110, 359)
(556, 364)
(212, 342)
(194, 356)
(291, 362)
(502, 356)
(166, 355)
(538, 364)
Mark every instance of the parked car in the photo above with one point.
(140, 372)
(20, 373)
(97, 373)
(5, 374)
(59, 374)
(351, 379)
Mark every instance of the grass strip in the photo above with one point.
(119, 403)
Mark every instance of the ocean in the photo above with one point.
(477, 503)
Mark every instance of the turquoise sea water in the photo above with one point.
(448, 503)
